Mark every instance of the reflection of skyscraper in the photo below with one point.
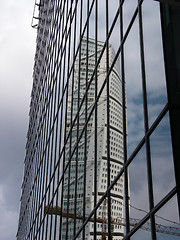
(74, 144)
(83, 158)
(46, 143)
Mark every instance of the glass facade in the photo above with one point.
(102, 153)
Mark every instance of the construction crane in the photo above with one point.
(119, 221)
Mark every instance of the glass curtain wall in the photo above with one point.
(99, 156)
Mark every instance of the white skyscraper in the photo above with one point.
(76, 175)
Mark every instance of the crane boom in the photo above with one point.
(133, 222)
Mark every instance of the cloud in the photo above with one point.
(8, 218)
(162, 173)
(17, 47)
(17, 42)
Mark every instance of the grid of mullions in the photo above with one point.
(63, 29)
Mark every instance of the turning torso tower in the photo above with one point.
(116, 144)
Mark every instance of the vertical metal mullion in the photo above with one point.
(49, 69)
(108, 125)
(49, 158)
(70, 137)
(46, 160)
(95, 121)
(37, 205)
(146, 125)
(65, 130)
(61, 121)
(170, 16)
(43, 162)
(54, 82)
(32, 204)
(44, 153)
(63, 165)
(85, 132)
(35, 186)
(34, 208)
(76, 171)
(58, 118)
(126, 184)
(41, 187)
(59, 167)
(54, 127)
(62, 110)
(58, 96)
(50, 144)
(42, 171)
(38, 187)
(39, 200)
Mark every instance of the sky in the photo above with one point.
(17, 49)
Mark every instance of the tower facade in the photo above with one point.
(79, 177)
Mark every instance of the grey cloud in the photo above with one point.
(8, 220)
(17, 45)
